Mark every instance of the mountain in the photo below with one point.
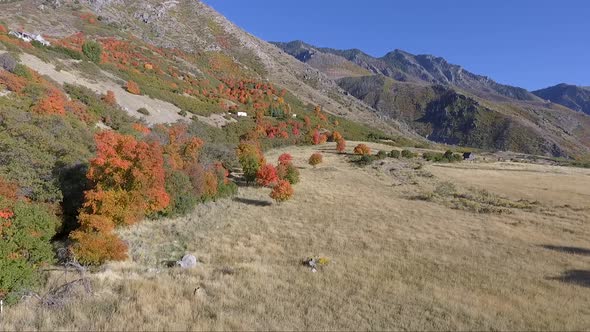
(195, 28)
(448, 104)
(574, 97)
(406, 67)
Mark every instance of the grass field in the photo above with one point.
(405, 250)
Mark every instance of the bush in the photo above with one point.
(133, 88)
(288, 172)
(285, 159)
(394, 154)
(7, 62)
(365, 159)
(362, 149)
(341, 145)
(25, 233)
(267, 175)
(433, 156)
(282, 191)
(408, 154)
(143, 111)
(381, 154)
(182, 197)
(92, 50)
(251, 159)
(315, 159)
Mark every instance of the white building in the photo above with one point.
(29, 37)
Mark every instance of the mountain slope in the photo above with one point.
(407, 67)
(445, 103)
(195, 28)
(574, 97)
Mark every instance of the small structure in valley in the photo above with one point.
(469, 156)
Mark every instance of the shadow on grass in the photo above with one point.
(255, 202)
(568, 250)
(575, 277)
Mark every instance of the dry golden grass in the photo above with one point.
(394, 262)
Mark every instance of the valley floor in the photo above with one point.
(408, 247)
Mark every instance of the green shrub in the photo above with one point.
(433, 156)
(143, 111)
(24, 247)
(394, 154)
(408, 154)
(365, 160)
(381, 154)
(288, 172)
(92, 50)
(182, 198)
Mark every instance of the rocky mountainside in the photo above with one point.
(194, 27)
(574, 97)
(406, 67)
(448, 104)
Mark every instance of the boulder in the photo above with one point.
(187, 262)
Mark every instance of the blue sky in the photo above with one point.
(532, 44)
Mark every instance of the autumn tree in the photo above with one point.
(251, 158)
(267, 176)
(110, 98)
(341, 145)
(362, 149)
(315, 159)
(128, 182)
(53, 103)
(336, 136)
(133, 88)
(285, 159)
(288, 172)
(282, 191)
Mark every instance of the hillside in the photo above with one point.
(470, 246)
(195, 28)
(423, 91)
(574, 97)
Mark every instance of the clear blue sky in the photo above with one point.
(528, 43)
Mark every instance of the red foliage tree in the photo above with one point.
(267, 175)
(285, 159)
(133, 88)
(315, 137)
(282, 191)
(336, 136)
(341, 145)
(53, 103)
(128, 182)
(110, 98)
(362, 149)
(12, 82)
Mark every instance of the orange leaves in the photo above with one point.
(97, 247)
(267, 175)
(362, 149)
(315, 159)
(110, 98)
(141, 128)
(182, 150)
(6, 213)
(12, 82)
(8, 189)
(132, 87)
(341, 145)
(52, 104)
(128, 179)
(3, 29)
(285, 159)
(282, 191)
(336, 136)
(315, 137)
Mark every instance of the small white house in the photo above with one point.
(294, 115)
(242, 114)
(29, 37)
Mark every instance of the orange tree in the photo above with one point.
(362, 149)
(128, 182)
(282, 191)
(315, 159)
